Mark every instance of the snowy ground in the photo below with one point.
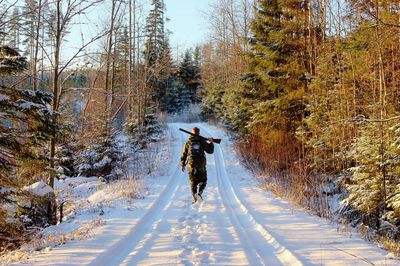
(238, 224)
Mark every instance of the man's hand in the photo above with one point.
(183, 168)
(210, 140)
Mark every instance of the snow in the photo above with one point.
(4, 97)
(239, 223)
(7, 190)
(39, 188)
(124, 189)
(103, 162)
(26, 105)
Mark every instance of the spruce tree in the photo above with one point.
(26, 124)
(374, 186)
(271, 94)
(189, 75)
(27, 120)
(155, 46)
(166, 77)
(155, 33)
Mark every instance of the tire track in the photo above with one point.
(160, 226)
(120, 250)
(264, 248)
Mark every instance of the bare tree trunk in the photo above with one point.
(382, 102)
(36, 48)
(323, 21)
(246, 28)
(130, 59)
(140, 83)
(108, 64)
(55, 83)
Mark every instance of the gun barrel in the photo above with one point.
(184, 130)
(218, 141)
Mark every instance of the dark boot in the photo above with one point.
(194, 198)
(193, 189)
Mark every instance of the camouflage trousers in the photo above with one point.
(198, 181)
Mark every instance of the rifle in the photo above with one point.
(218, 141)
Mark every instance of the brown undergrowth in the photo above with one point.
(276, 159)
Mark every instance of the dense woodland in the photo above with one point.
(313, 93)
(310, 90)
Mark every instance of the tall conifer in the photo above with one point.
(272, 91)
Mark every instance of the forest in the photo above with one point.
(308, 89)
(313, 96)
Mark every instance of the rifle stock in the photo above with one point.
(217, 141)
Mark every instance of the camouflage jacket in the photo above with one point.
(198, 161)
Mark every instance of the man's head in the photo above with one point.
(196, 131)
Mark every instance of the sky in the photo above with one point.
(187, 22)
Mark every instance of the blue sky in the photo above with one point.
(187, 22)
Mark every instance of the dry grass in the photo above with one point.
(130, 189)
(276, 157)
(391, 245)
(383, 241)
(48, 242)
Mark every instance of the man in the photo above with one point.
(193, 155)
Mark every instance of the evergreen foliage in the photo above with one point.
(155, 32)
(25, 122)
(158, 69)
(165, 78)
(11, 61)
(275, 83)
(103, 159)
(142, 134)
(373, 186)
(176, 97)
(189, 76)
(156, 49)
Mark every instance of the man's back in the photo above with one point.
(194, 152)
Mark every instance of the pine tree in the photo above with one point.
(103, 158)
(197, 57)
(375, 183)
(154, 49)
(189, 75)
(270, 101)
(155, 32)
(276, 78)
(175, 99)
(320, 130)
(14, 35)
(28, 122)
(166, 76)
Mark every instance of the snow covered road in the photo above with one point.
(238, 224)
